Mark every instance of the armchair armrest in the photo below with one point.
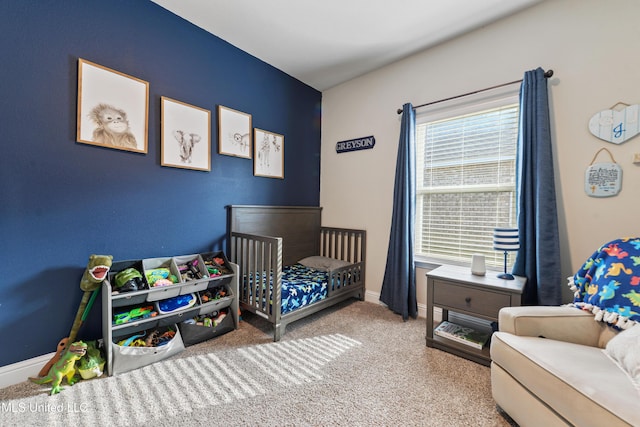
(558, 323)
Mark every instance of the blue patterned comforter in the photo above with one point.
(302, 286)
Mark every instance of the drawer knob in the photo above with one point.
(467, 300)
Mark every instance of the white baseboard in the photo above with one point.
(21, 371)
(374, 297)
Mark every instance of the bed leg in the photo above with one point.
(278, 331)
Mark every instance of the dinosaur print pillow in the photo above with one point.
(608, 284)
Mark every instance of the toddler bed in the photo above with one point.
(289, 265)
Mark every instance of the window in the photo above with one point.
(465, 183)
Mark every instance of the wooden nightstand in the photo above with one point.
(455, 288)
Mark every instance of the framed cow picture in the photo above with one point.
(185, 135)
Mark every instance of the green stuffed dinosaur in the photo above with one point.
(95, 273)
(64, 367)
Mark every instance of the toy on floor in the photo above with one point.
(95, 273)
(91, 365)
(65, 367)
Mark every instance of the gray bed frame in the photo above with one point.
(263, 239)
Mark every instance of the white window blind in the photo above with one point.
(465, 181)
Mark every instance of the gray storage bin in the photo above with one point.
(131, 327)
(161, 292)
(215, 304)
(227, 272)
(127, 298)
(191, 286)
(194, 334)
(129, 358)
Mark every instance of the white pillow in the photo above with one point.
(323, 263)
(624, 350)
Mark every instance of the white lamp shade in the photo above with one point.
(506, 239)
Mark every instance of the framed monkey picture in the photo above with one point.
(113, 108)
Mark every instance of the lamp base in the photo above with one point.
(505, 276)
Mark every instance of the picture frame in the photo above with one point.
(185, 135)
(268, 158)
(113, 108)
(234, 132)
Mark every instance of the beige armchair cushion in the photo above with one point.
(567, 324)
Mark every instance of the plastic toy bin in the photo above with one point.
(129, 358)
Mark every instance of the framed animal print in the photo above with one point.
(185, 135)
(268, 156)
(113, 108)
(234, 132)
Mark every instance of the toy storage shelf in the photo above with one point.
(121, 359)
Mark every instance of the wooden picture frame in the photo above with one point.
(185, 135)
(234, 132)
(113, 108)
(268, 158)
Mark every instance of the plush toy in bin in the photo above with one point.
(129, 280)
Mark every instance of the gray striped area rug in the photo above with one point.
(168, 389)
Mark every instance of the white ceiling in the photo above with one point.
(324, 43)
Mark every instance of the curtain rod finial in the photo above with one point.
(399, 110)
(548, 73)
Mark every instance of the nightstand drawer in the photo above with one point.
(482, 302)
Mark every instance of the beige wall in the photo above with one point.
(591, 45)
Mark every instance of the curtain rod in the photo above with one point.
(547, 75)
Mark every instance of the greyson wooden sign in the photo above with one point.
(355, 144)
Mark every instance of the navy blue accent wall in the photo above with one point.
(61, 201)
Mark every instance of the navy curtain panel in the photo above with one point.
(399, 283)
(538, 258)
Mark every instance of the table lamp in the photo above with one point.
(507, 240)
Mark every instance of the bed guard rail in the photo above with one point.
(347, 245)
(259, 259)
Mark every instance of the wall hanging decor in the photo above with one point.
(113, 108)
(186, 135)
(268, 158)
(603, 179)
(616, 125)
(365, 143)
(234, 132)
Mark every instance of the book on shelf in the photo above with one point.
(462, 334)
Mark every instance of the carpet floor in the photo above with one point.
(355, 364)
